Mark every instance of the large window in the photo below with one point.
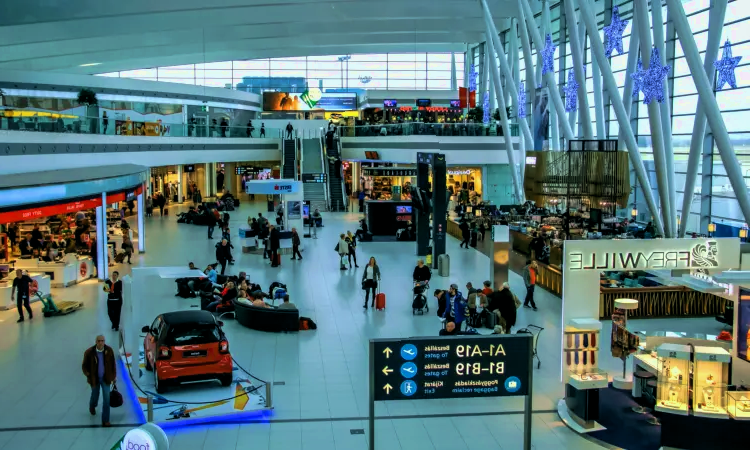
(361, 71)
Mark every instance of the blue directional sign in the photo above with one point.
(408, 388)
(408, 370)
(512, 384)
(409, 352)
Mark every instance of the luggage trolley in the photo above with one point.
(534, 331)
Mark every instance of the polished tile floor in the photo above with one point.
(43, 397)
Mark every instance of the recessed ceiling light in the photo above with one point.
(89, 64)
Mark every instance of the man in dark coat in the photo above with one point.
(295, 244)
(503, 302)
(223, 254)
(275, 238)
(100, 372)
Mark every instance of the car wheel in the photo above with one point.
(159, 386)
(226, 380)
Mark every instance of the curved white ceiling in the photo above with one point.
(61, 36)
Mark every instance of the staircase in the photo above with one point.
(335, 184)
(289, 155)
(312, 162)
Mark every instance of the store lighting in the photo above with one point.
(743, 233)
(89, 64)
(571, 93)
(521, 101)
(652, 79)
(637, 79)
(634, 212)
(711, 227)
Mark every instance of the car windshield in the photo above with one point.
(193, 334)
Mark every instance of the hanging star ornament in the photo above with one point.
(652, 79)
(637, 79)
(548, 55)
(472, 78)
(614, 32)
(571, 93)
(521, 101)
(725, 66)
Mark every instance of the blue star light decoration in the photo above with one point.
(521, 101)
(652, 79)
(614, 32)
(571, 93)
(725, 66)
(548, 55)
(472, 78)
(486, 108)
(637, 79)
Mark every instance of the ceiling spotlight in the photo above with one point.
(89, 64)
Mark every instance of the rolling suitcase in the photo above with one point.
(120, 257)
(380, 301)
(278, 259)
(444, 265)
(166, 211)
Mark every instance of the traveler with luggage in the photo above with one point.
(456, 307)
(370, 280)
(342, 248)
(465, 233)
(211, 222)
(100, 371)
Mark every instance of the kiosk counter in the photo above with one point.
(70, 270)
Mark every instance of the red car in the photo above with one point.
(187, 346)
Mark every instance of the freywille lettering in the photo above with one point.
(701, 256)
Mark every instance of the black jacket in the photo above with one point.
(296, 240)
(275, 239)
(223, 251)
(504, 302)
(464, 227)
(422, 273)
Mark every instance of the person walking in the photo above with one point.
(342, 248)
(127, 246)
(361, 198)
(274, 238)
(507, 305)
(289, 130)
(223, 254)
(351, 240)
(465, 233)
(100, 372)
(250, 128)
(113, 288)
(149, 206)
(370, 280)
(22, 285)
(105, 122)
(295, 244)
(211, 222)
(314, 222)
(529, 279)
(262, 130)
(455, 307)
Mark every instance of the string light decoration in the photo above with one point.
(614, 32)
(637, 79)
(725, 66)
(652, 79)
(472, 78)
(486, 108)
(521, 106)
(571, 93)
(548, 55)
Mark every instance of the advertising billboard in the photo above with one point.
(310, 100)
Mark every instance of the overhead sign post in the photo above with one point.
(452, 367)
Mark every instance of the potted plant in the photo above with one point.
(87, 98)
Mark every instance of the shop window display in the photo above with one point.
(672, 378)
(710, 377)
(738, 404)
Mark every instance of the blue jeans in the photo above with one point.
(210, 232)
(212, 306)
(95, 398)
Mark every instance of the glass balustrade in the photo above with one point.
(425, 129)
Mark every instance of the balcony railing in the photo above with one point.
(425, 129)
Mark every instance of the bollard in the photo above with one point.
(150, 409)
(269, 399)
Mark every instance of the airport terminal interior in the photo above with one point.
(424, 224)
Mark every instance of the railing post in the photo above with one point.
(269, 398)
(150, 409)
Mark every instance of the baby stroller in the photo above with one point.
(419, 304)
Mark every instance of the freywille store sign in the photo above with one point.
(698, 255)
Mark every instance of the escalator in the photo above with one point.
(289, 159)
(312, 162)
(338, 199)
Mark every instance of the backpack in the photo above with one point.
(276, 284)
(306, 323)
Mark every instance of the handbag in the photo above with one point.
(115, 398)
(516, 301)
(336, 249)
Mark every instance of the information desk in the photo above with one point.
(43, 285)
(385, 217)
(70, 270)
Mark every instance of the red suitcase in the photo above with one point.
(278, 259)
(380, 301)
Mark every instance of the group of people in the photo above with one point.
(455, 309)
(251, 128)
(347, 249)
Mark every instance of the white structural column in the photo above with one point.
(596, 76)
(529, 71)
(141, 202)
(496, 49)
(554, 117)
(454, 86)
(657, 22)
(707, 99)
(632, 64)
(597, 50)
(577, 57)
(102, 257)
(654, 118)
(484, 81)
(715, 28)
(207, 180)
(548, 77)
(518, 190)
(180, 190)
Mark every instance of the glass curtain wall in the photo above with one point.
(403, 71)
(719, 204)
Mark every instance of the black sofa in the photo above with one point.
(266, 319)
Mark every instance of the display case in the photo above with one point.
(673, 375)
(581, 354)
(738, 404)
(710, 379)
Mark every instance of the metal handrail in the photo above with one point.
(324, 165)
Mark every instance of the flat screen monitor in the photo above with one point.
(424, 102)
(531, 160)
(402, 209)
(189, 167)
(306, 209)
(455, 103)
(390, 103)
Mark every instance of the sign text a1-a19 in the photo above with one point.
(451, 367)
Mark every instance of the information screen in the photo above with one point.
(313, 178)
(452, 367)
